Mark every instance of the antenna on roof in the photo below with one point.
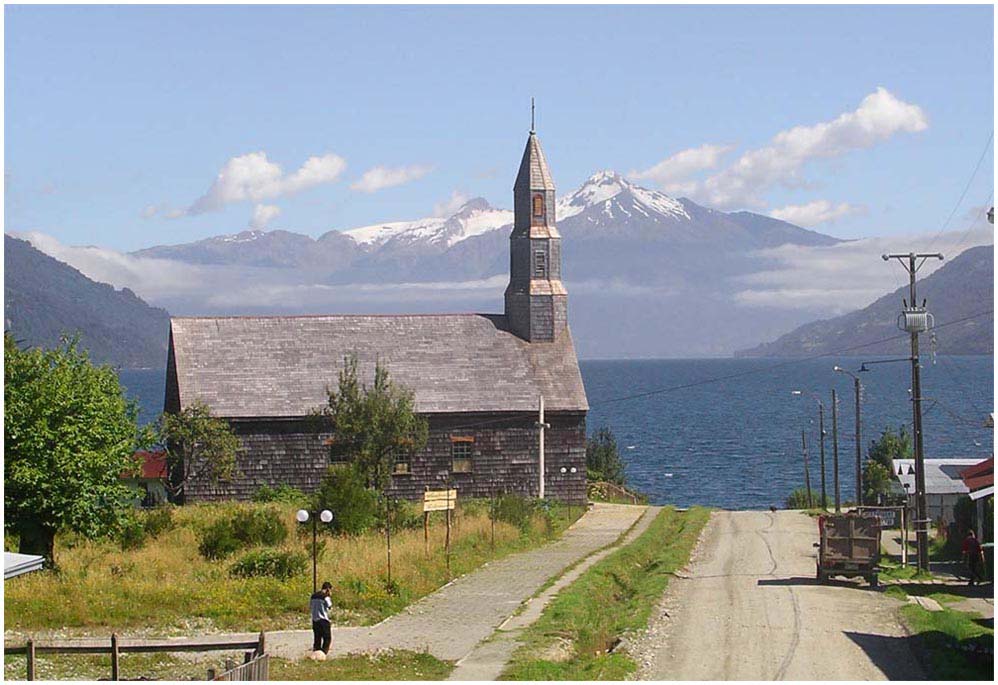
(531, 114)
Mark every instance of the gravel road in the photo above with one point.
(750, 609)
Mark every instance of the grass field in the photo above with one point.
(571, 639)
(947, 640)
(393, 665)
(167, 588)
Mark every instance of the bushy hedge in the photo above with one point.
(797, 499)
(344, 492)
(283, 493)
(244, 528)
(138, 527)
(275, 563)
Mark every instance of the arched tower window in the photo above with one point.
(538, 206)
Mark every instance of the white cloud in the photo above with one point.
(252, 177)
(879, 116)
(380, 177)
(451, 204)
(263, 215)
(848, 275)
(813, 213)
(672, 173)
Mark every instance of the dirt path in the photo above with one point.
(750, 609)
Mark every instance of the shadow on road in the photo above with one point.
(811, 580)
(917, 589)
(892, 655)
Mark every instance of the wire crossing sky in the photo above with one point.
(132, 126)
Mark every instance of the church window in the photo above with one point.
(401, 466)
(460, 450)
(540, 264)
(539, 206)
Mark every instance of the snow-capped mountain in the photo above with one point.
(616, 198)
(473, 218)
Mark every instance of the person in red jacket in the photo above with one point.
(973, 555)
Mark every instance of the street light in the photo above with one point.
(563, 472)
(821, 433)
(325, 516)
(859, 459)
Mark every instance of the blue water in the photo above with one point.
(735, 443)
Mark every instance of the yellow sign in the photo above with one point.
(439, 500)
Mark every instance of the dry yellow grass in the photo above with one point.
(166, 587)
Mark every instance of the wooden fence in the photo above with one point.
(31, 649)
(254, 667)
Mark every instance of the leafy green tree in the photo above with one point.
(603, 459)
(344, 492)
(371, 425)
(798, 499)
(878, 471)
(198, 446)
(69, 435)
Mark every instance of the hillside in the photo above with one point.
(960, 288)
(45, 298)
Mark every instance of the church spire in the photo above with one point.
(536, 300)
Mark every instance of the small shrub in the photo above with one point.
(283, 493)
(259, 526)
(246, 527)
(275, 563)
(515, 510)
(158, 521)
(344, 492)
(798, 499)
(132, 533)
(218, 540)
(405, 515)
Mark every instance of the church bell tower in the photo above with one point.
(536, 300)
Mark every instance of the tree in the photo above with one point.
(69, 435)
(603, 459)
(878, 471)
(198, 446)
(372, 425)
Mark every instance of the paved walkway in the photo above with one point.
(452, 621)
(488, 660)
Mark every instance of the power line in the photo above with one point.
(977, 167)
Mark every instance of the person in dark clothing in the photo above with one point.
(973, 555)
(319, 605)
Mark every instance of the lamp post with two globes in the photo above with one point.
(325, 516)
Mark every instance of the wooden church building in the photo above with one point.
(477, 378)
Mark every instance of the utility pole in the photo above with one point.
(807, 471)
(821, 434)
(916, 320)
(858, 389)
(835, 451)
(541, 426)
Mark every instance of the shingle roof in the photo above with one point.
(534, 172)
(281, 366)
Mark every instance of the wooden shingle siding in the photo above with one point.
(504, 458)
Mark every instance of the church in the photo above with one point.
(479, 379)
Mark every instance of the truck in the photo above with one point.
(849, 546)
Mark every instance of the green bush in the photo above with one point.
(282, 493)
(244, 528)
(275, 563)
(798, 499)
(405, 515)
(259, 526)
(218, 540)
(132, 533)
(158, 521)
(343, 491)
(515, 510)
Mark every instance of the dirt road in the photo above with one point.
(752, 610)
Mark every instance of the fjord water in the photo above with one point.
(726, 432)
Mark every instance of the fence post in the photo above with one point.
(248, 656)
(31, 659)
(114, 656)
(260, 645)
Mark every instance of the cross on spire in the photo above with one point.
(531, 114)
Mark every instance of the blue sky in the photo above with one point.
(117, 118)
